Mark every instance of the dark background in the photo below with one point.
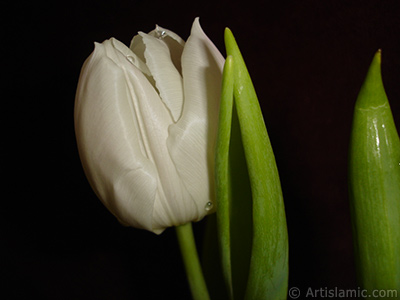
(307, 59)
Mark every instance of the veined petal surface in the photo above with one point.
(191, 140)
(167, 78)
(121, 127)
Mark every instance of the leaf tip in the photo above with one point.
(230, 42)
(228, 31)
(377, 57)
(372, 93)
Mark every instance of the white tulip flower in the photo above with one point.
(146, 122)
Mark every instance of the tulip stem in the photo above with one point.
(191, 261)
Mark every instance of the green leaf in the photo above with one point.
(234, 203)
(268, 272)
(223, 180)
(374, 184)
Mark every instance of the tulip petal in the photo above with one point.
(121, 128)
(174, 43)
(98, 110)
(168, 79)
(192, 139)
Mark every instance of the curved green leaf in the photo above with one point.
(234, 202)
(374, 173)
(223, 182)
(268, 272)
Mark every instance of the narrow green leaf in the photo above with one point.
(223, 183)
(268, 274)
(374, 174)
(234, 201)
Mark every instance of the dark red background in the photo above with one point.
(307, 59)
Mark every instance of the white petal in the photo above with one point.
(167, 77)
(192, 140)
(118, 120)
(174, 43)
(138, 47)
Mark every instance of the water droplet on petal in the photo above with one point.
(131, 59)
(209, 206)
(160, 34)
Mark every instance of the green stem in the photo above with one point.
(191, 261)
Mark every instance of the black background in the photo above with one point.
(307, 59)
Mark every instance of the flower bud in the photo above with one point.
(145, 121)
